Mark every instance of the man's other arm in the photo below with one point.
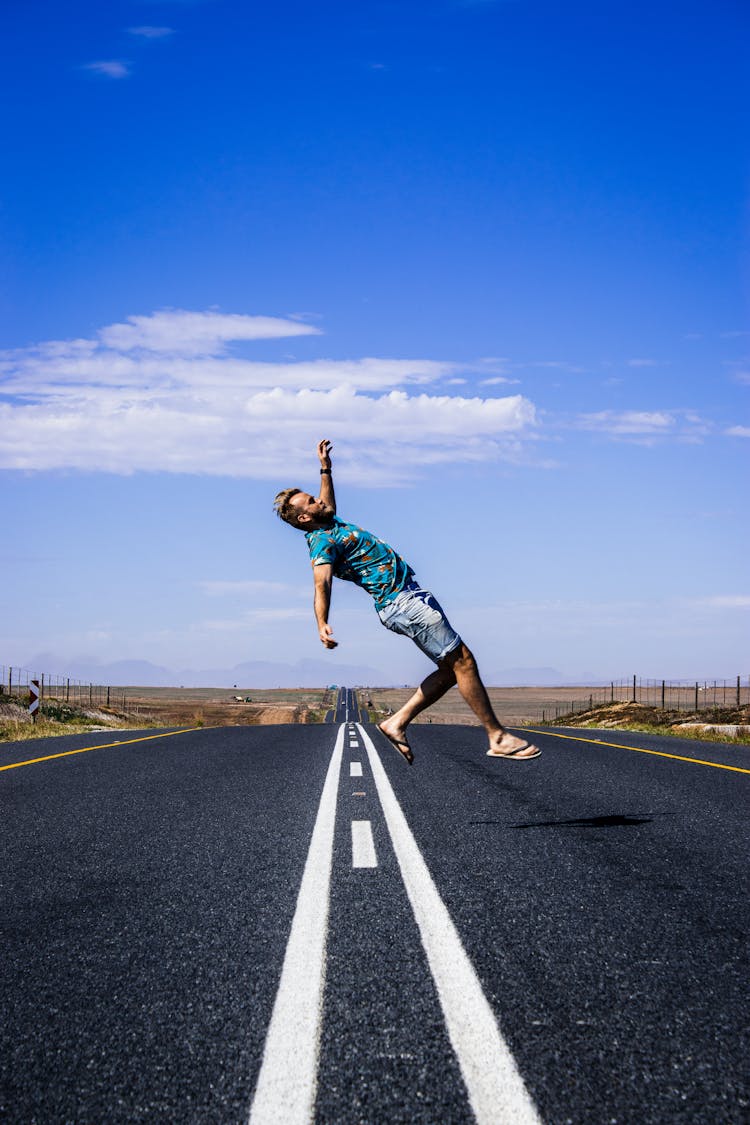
(323, 578)
(327, 495)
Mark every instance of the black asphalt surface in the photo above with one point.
(148, 889)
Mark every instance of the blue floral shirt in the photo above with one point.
(359, 556)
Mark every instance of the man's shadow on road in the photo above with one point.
(613, 821)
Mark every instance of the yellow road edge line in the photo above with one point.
(639, 750)
(102, 746)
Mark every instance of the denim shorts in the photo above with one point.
(415, 613)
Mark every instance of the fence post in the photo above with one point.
(634, 699)
(696, 696)
(738, 691)
(10, 681)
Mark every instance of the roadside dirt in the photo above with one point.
(729, 721)
(193, 707)
(166, 707)
(219, 707)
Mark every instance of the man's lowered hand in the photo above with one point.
(326, 636)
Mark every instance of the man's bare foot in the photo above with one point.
(396, 735)
(506, 745)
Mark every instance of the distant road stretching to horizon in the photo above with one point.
(288, 924)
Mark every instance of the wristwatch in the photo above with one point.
(324, 471)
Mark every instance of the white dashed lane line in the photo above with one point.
(363, 845)
(287, 1081)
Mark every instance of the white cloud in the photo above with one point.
(557, 365)
(254, 617)
(163, 393)
(110, 68)
(149, 32)
(628, 422)
(222, 588)
(739, 431)
(726, 601)
(305, 315)
(646, 427)
(178, 332)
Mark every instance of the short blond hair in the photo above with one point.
(283, 508)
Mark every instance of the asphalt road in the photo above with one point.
(346, 707)
(573, 947)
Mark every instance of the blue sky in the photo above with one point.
(496, 251)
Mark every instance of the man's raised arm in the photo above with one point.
(327, 495)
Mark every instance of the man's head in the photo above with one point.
(302, 510)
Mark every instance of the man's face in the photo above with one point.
(311, 511)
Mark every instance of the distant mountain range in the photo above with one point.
(251, 674)
(271, 674)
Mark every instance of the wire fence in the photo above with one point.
(15, 683)
(667, 695)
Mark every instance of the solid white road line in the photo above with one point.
(355, 769)
(363, 845)
(496, 1090)
(288, 1075)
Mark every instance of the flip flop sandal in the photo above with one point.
(396, 743)
(513, 754)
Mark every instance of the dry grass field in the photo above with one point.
(238, 706)
(221, 707)
(197, 707)
(164, 707)
(514, 705)
(193, 707)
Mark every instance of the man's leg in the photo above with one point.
(419, 616)
(458, 667)
(428, 692)
(463, 667)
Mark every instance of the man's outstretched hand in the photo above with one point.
(326, 636)
(324, 453)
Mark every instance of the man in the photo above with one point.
(343, 550)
